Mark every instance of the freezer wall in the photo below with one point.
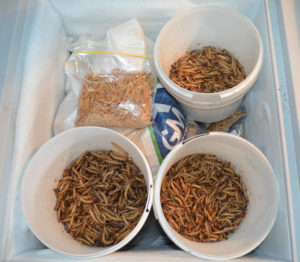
(36, 69)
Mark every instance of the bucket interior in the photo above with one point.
(220, 28)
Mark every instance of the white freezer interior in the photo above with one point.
(33, 87)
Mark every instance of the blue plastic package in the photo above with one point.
(169, 123)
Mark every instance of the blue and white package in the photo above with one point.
(169, 123)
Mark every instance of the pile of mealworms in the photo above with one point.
(122, 99)
(224, 125)
(203, 199)
(100, 197)
(207, 70)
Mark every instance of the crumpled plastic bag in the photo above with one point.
(110, 82)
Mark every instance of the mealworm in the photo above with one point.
(217, 70)
(121, 99)
(203, 198)
(100, 197)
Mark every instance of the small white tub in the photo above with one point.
(44, 172)
(259, 180)
(209, 25)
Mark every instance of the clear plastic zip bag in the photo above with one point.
(116, 89)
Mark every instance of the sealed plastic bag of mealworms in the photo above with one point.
(113, 81)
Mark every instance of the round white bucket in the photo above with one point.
(258, 177)
(46, 168)
(209, 25)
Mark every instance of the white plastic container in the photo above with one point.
(209, 25)
(46, 168)
(259, 180)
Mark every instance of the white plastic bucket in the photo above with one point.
(209, 25)
(258, 177)
(46, 168)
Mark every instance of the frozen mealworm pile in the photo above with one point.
(100, 198)
(121, 99)
(202, 198)
(207, 70)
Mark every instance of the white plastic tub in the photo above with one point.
(34, 86)
(46, 169)
(258, 178)
(209, 25)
